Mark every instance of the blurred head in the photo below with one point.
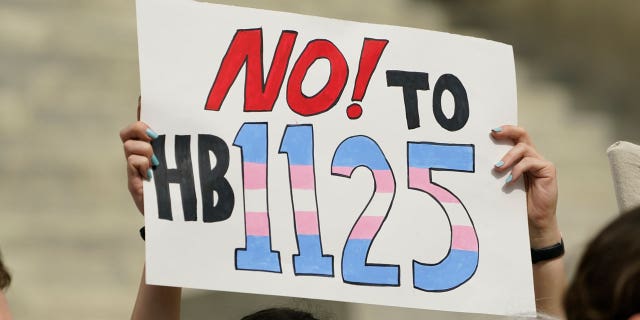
(280, 314)
(5, 278)
(607, 282)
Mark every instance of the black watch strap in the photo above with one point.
(548, 253)
(142, 233)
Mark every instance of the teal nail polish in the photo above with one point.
(499, 164)
(509, 178)
(498, 129)
(152, 134)
(154, 160)
(149, 174)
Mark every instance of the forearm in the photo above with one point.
(156, 302)
(549, 277)
(549, 283)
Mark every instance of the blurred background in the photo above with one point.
(69, 83)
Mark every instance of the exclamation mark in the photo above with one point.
(369, 57)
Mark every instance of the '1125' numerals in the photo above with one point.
(297, 143)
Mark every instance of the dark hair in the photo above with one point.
(280, 314)
(607, 282)
(5, 277)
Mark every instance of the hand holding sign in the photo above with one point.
(140, 158)
(540, 181)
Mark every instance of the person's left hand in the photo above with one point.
(540, 180)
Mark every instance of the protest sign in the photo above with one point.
(320, 158)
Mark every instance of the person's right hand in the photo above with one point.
(136, 139)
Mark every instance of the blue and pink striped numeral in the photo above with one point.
(462, 260)
(297, 143)
(257, 254)
(361, 151)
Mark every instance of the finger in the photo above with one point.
(513, 133)
(138, 147)
(142, 148)
(138, 167)
(534, 167)
(137, 131)
(513, 156)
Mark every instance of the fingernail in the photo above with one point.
(149, 174)
(509, 178)
(152, 134)
(499, 164)
(498, 129)
(154, 160)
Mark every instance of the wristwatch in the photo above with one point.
(547, 253)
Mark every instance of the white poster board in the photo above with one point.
(329, 159)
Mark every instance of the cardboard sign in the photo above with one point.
(328, 159)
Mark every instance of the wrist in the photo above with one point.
(543, 237)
